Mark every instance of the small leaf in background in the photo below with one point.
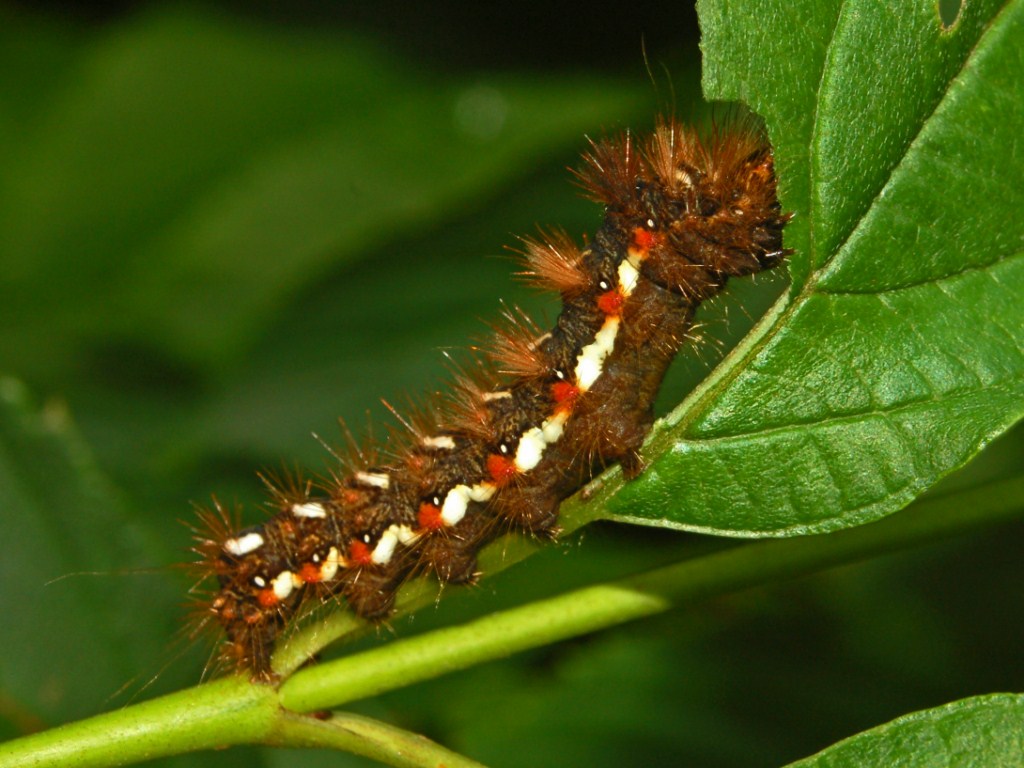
(79, 621)
(189, 178)
(980, 732)
(899, 353)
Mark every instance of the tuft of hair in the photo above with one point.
(286, 486)
(514, 349)
(553, 262)
(463, 405)
(610, 170)
(212, 527)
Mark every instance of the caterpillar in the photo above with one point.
(542, 415)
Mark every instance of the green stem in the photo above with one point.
(370, 738)
(585, 610)
(303, 645)
(233, 711)
(222, 713)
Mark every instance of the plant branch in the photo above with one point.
(370, 738)
(234, 711)
(218, 714)
(585, 610)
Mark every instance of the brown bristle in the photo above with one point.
(610, 170)
(676, 156)
(286, 487)
(462, 405)
(211, 527)
(514, 349)
(553, 263)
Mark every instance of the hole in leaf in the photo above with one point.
(949, 12)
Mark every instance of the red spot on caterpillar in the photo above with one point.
(267, 599)
(359, 553)
(500, 468)
(429, 517)
(610, 302)
(564, 393)
(309, 573)
(644, 239)
(351, 497)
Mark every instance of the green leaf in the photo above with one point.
(979, 732)
(899, 351)
(192, 173)
(77, 624)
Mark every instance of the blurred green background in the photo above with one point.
(224, 226)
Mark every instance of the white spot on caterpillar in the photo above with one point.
(628, 276)
(488, 397)
(535, 441)
(591, 359)
(553, 427)
(457, 501)
(482, 492)
(284, 583)
(309, 509)
(374, 479)
(531, 448)
(406, 535)
(330, 567)
(444, 442)
(650, 223)
(259, 581)
(589, 367)
(243, 545)
(385, 548)
(389, 540)
(455, 505)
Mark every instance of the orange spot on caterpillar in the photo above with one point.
(500, 468)
(309, 573)
(351, 497)
(429, 517)
(565, 393)
(267, 599)
(644, 239)
(359, 553)
(610, 302)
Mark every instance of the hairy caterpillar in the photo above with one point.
(544, 413)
